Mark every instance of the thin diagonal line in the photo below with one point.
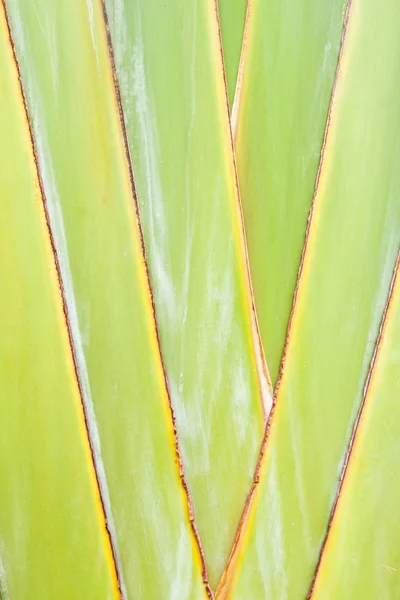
(264, 379)
(239, 79)
(357, 421)
(246, 509)
(150, 289)
(316, 189)
(63, 299)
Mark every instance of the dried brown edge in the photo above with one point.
(239, 79)
(118, 98)
(221, 591)
(62, 294)
(262, 367)
(349, 452)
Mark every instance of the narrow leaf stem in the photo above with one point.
(239, 80)
(111, 541)
(357, 422)
(185, 486)
(264, 379)
(224, 582)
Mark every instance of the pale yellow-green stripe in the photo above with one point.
(232, 16)
(289, 61)
(169, 66)
(53, 542)
(361, 557)
(63, 55)
(349, 261)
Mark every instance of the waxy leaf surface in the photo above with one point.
(232, 17)
(67, 77)
(169, 66)
(361, 558)
(53, 542)
(351, 252)
(280, 112)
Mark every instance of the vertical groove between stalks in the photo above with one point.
(264, 380)
(356, 423)
(110, 540)
(182, 476)
(243, 520)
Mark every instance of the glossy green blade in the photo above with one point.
(361, 558)
(232, 15)
(62, 50)
(170, 73)
(352, 247)
(279, 116)
(53, 542)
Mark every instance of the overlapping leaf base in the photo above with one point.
(134, 391)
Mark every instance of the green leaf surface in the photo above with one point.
(63, 56)
(361, 558)
(53, 542)
(280, 112)
(173, 94)
(352, 247)
(232, 15)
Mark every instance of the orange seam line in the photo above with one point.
(256, 337)
(239, 79)
(62, 293)
(150, 289)
(246, 509)
(356, 423)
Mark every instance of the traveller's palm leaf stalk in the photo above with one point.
(134, 388)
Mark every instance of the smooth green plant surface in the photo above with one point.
(67, 77)
(232, 17)
(287, 76)
(134, 388)
(49, 495)
(173, 97)
(348, 264)
(361, 557)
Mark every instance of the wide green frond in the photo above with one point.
(170, 74)
(349, 260)
(232, 15)
(53, 541)
(361, 558)
(279, 118)
(67, 77)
